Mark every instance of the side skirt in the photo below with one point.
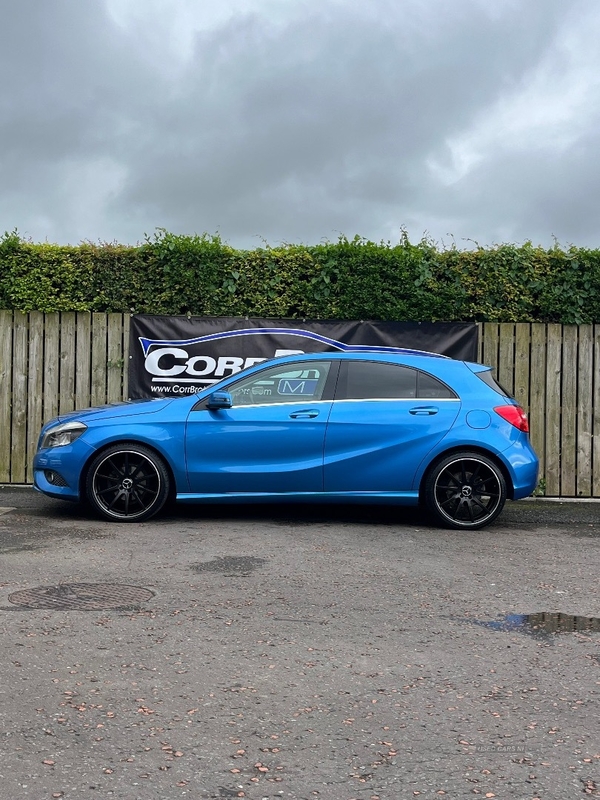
(379, 498)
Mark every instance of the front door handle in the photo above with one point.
(306, 413)
(423, 411)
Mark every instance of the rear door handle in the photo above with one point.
(423, 411)
(306, 413)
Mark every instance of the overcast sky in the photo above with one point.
(298, 120)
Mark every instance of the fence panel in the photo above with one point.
(51, 390)
(115, 358)
(551, 476)
(537, 393)
(126, 356)
(35, 374)
(83, 338)
(585, 382)
(522, 360)
(53, 363)
(6, 363)
(489, 337)
(595, 414)
(19, 400)
(98, 364)
(68, 341)
(506, 356)
(568, 410)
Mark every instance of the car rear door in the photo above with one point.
(384, 420)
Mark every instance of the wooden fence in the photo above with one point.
(51, 364)
(554, 372)
(54, 363)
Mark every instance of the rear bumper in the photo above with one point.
(523, 466)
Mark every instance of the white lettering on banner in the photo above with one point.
(200, 366)
(175, 389)
(152, 361)
(209, 365)
(232, 363)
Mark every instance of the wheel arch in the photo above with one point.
(124, 443)
(471, 449)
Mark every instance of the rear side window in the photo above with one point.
(487, 377)
(363, 380)
(432, 388)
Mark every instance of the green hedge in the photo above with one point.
(347, 279)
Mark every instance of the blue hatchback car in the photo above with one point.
(373, 427)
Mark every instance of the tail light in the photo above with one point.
(515, 415)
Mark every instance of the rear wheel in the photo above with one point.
(465, 491)
(127, 483)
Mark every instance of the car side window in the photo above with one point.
(432, 388)
(364, 380)
(293, 383)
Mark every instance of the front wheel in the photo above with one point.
(465, 491)
(127, 483)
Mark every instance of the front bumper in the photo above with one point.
(57, 470)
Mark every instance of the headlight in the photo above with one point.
(63, 434)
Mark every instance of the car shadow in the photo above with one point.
(300, 513)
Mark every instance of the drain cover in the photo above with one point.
(81, 596)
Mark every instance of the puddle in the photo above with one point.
(542, 623)
(231, 566)
(15, 541)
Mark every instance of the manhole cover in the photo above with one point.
(82, 596)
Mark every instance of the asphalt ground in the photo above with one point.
(298, 652)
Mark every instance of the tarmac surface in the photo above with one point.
(298, 652)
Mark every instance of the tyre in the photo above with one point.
(127, 483)
(465, 491)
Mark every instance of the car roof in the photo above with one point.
(390, 355)
(429, 362)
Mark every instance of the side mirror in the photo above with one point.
(219, 400)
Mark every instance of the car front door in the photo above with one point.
(384, 420)
(271, 440)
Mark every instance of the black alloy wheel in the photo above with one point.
(465, 491)
(127, 483)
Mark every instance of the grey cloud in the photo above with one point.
(329, 117)
(530, 196)
(292, 130)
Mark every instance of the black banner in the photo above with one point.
(175, 356)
